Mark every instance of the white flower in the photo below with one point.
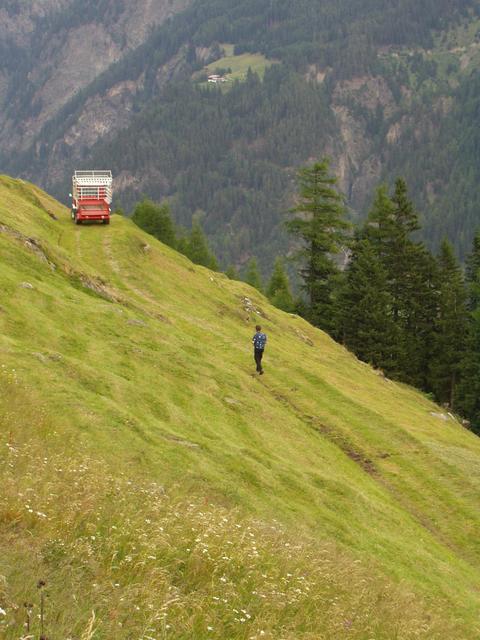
(2, 612)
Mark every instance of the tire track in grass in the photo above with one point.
(78, 247)
(128, 286)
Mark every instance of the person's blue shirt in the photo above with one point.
(259, 340)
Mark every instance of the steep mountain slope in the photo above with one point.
(52, 50)
(356, 82)
(125, 365)
(445, 172)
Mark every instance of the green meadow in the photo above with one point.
(160, 489)
(239, 64)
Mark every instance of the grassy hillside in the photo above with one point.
(239, 64)
(163, 491)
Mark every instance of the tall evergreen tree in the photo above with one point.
(411, 279)
(156, 220)
(278, 290)
(231, 272)
(196, 248)
(365, 310)
(468, 392)
(389, 226)
(419, 304)
(252, 275)
(450, 328)
(472, 274)
(321, 227)
(379, 224)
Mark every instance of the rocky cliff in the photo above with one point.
(54, 49)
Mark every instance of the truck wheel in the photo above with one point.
(107, 221)
(77, 220)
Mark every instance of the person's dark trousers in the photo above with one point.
(258, 359)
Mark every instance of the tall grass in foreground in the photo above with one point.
(121, 558)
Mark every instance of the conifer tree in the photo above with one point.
(472, 274)
(378, 228)
(197, 249)
(156, 220)
(389, 226)
(231, 272)
(468, 391)
(417, 325)
(321, 227)
(182, 240)
(278, 290)
(404, 214)
(252, 275)
(450, 328)
(364, 309)
(411, 279)
(409, 267)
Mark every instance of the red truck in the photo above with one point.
(91, 196)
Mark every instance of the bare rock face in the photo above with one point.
(357, 163)
(55, 48)
(84, 54)
(370, 92)
(19, 19)
(101, 116)
(102, 113)
(141, 16)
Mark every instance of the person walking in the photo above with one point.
(259, 340)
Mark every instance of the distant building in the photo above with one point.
(215, 78)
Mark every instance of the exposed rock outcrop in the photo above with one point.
(71, 45)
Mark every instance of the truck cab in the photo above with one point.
(91, 196)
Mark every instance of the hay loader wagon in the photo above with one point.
(91, 196)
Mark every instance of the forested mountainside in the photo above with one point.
(383, 88)
(52, 49)
(445, 170)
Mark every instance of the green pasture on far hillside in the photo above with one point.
(239, 64)
(149, 475)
